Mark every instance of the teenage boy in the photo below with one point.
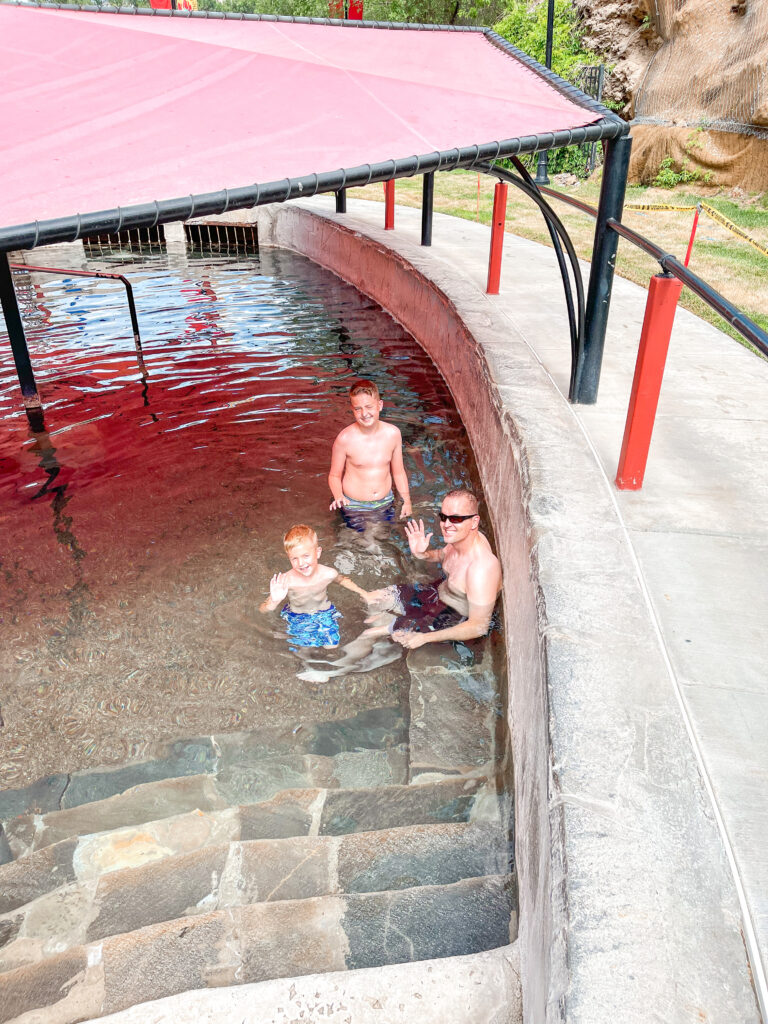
(367, 457)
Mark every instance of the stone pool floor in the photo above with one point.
(698, 529)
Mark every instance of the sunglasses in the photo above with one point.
(454, 519)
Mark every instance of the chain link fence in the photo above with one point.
(712, 69)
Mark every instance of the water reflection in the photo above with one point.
(141, 528)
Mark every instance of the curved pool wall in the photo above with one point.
(627, 908)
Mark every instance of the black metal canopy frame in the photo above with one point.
(149, 215)
(587, 324)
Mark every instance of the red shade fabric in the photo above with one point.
(104, 110)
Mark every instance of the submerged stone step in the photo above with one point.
(454, 711)
(262, 941)
(240, 873)
(237, 782)
(289, 813)
(479, 988)
(374, 729)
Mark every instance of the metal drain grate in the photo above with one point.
(144, 241)
(222, 238)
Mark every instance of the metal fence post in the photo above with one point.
(16, 337)
(341, 201)
(389, 204)
(663, 293)
(497, 237)
(586, 371)
(427, 206)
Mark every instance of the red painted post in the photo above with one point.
(693, 233)
(663, 293)
(389, 204)
(355, 10)
(497, 237)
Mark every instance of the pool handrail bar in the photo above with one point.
(95, 273)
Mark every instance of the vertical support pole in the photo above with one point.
(693, 233)
(341, 201)
(10, 305)
(389, 204)
(663, 293)
(427, 205)
(585, 371)
(497, 237)
(541, 166)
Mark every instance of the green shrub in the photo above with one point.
(526, 28)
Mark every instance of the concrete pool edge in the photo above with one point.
(627, 905)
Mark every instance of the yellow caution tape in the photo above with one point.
(710, 212)
(657, 206)
(733, 228)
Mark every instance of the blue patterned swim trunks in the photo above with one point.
(312, 629)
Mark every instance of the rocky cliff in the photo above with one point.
(693, 75)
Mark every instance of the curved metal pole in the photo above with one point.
(576, 317)
(576, 326)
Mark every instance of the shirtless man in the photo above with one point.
(472, 576)
(367, 456)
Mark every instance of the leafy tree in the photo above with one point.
(525, 26)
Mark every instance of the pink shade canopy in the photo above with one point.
(106, 110)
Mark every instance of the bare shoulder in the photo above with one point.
(346, 435)
(328, 573)
(391, 434)
(485, 563)
(392, 430)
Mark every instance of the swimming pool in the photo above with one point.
(141, 530)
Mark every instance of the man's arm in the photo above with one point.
(336, 472)
(400, 477)
(418, 542)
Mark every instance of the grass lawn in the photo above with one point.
(730, 265)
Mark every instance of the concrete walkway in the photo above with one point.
(698, 530)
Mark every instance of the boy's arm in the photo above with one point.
(400, 477)
(418, 542)
(278, 591)
(336, 472)
(382, 597)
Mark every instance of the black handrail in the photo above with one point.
(557, 231)
(100, 274)
(732, 315)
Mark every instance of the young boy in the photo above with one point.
(367, 455)
(310, 615)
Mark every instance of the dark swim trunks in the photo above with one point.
(359, 514)
(423, 609)
(425, 612)
(312, 629)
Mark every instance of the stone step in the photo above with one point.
(455, 710)
(241, 873)
(375, 729)
(236, 782)
(259, 942)
(479, 988)
(289, 813)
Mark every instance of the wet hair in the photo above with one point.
(464, 492)
(364, 387)
(297, 535)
